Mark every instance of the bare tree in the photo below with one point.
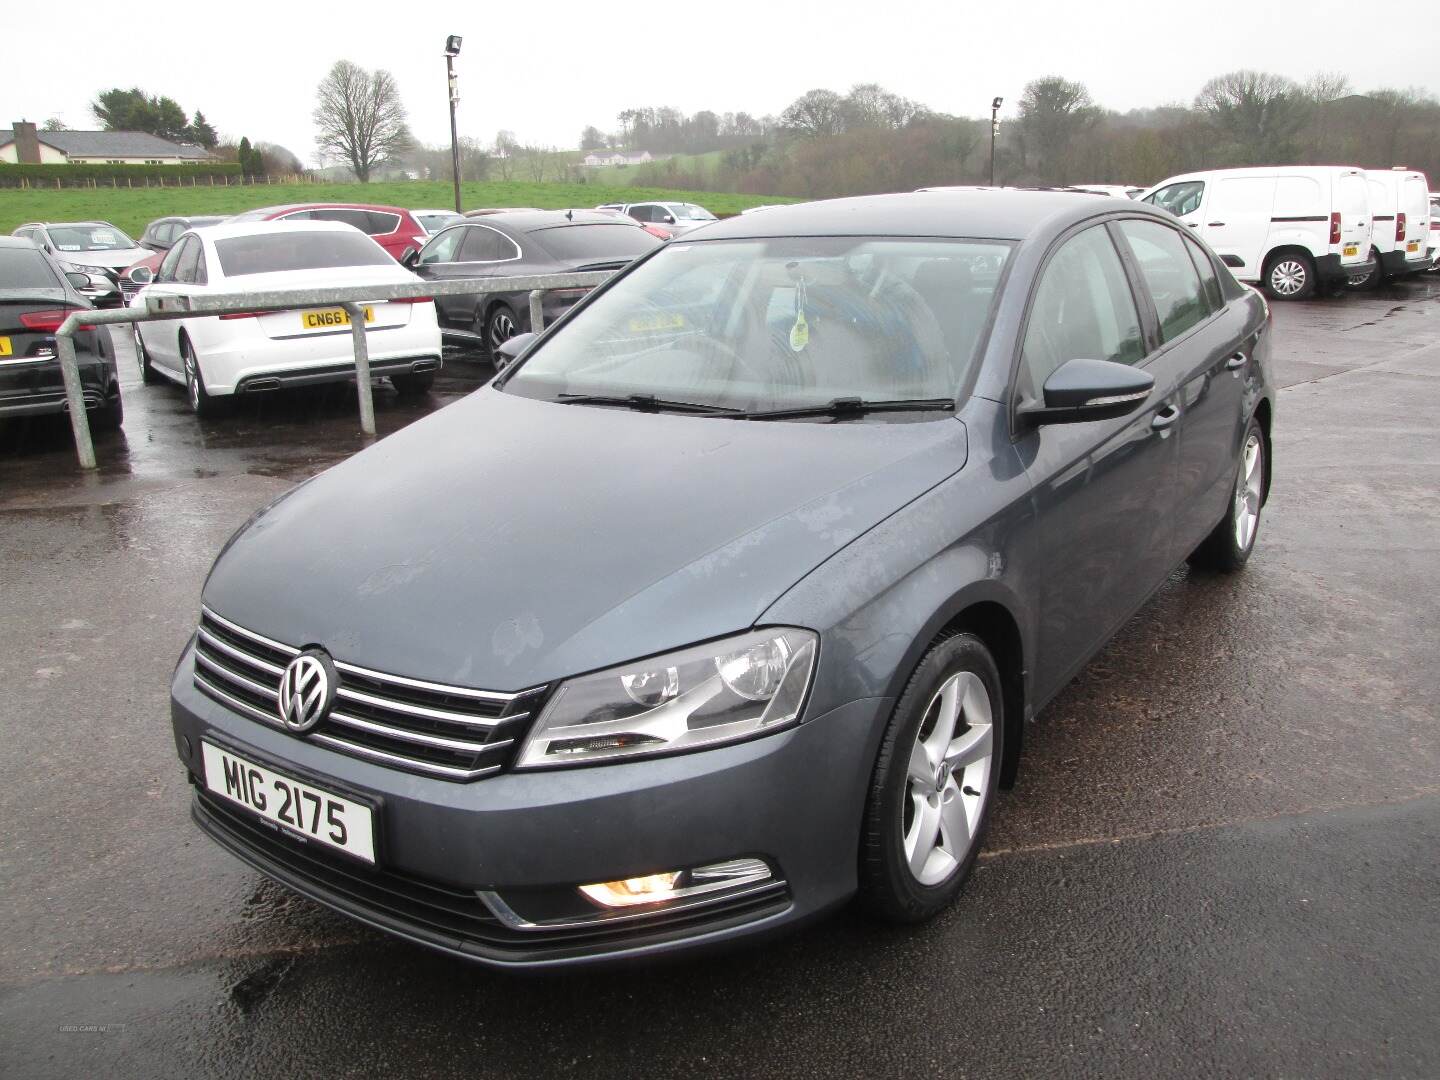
(815, 113)
(1054, 112)
(1261, 112)
(361, 118)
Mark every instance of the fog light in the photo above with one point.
(677, 884)
(636, 890)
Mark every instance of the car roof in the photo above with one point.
(52, 224)
(535, 220)
(286, 208)
(229, 229)
(992, 214)
(18, 242)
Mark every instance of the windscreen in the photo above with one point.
(300, 249)
(433, 223)
(779, 323)
(88, 238)
(689, 212)
(596, 243)
(25, 269)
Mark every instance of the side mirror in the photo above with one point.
(669, 219)
(77, 279)
(511, 349)
(1079, 391)
(410, 258)
(141, 275)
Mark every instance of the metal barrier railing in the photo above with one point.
(350, 297)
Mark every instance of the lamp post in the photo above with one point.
(452, 50)
(994, 131)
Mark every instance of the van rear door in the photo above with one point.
(1415, 204)
(1236, 219)
(1352, 201)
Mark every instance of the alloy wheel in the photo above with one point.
(948, 779)
(192, 380)
(1248, 488)
(1288, 277)
(502, 328)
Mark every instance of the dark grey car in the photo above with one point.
(514, 244)
(730, 600)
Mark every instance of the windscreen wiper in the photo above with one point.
(854, 406)
(649, 403)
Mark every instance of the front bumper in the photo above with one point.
(793, 799)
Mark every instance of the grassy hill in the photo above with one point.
(133, 209)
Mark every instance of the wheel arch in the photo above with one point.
(994, 624)
(1264, 415)
(1279, 252)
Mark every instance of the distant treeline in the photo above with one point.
(868, 140)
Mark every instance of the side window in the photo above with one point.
(202, 273)
(1083, 309)
(189, 264)
(1179, 199)
(486, 245)
(1169, 275)
(442, 248)
(379, 223)
(1208, 278)
(643, 213)
(170, 232)
(299, 215)
(169, 263)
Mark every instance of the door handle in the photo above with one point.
(1165, 417)
(1217, 224)
(1193, 224)
(1236, 362)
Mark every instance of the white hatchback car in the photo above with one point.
(217, 357)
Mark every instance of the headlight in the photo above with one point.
(687, 700)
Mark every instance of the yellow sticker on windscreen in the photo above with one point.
(800, 330)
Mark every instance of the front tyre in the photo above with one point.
(1229, 545)
(148, 375)
(934, 782)
(500, 326)
(1290, 277)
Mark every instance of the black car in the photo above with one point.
(36, 296)
(161, 234)
(519, 243)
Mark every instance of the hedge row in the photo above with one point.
(112, 175)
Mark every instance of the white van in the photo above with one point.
(1433, 244)
(1291, 228)
(1400, 207)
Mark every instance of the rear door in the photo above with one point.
(1206, 348)
(1352, 200)
(1105, 491)
(1236, 219)
(175, 278)
(1415, 205)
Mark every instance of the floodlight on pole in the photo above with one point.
(452, 50)
(994, 131)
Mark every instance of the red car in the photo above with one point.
(392, 227)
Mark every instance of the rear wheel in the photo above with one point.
(1370, 280)
(413, 384)
(1290, 276)
(934, 782)
(201, 403)
(500, 326)
(1229, 545)
(109, 416)
(148, 375)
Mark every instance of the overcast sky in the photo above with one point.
(252, 68)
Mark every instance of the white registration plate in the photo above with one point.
(301, 809)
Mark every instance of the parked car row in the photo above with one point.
(1298, 229)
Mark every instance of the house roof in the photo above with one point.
(120, 144)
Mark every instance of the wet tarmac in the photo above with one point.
(1222, 857)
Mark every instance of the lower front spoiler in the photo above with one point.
(458, 923)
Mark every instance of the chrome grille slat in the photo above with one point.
(425, 711)
(371, 726)
(234, 676)
(408, 763)
(245, 658)
(452, 732)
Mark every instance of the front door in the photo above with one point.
(1104, 490)
(1235, 219)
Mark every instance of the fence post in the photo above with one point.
(362, 367)
(75, 399)
(537, 310)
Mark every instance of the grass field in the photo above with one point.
(133, 209)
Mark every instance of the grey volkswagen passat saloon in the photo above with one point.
(730, 599)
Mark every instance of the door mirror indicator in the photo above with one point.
(1083, 390)
(510, 350)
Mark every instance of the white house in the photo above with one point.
(22, 143)
(600, 159)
